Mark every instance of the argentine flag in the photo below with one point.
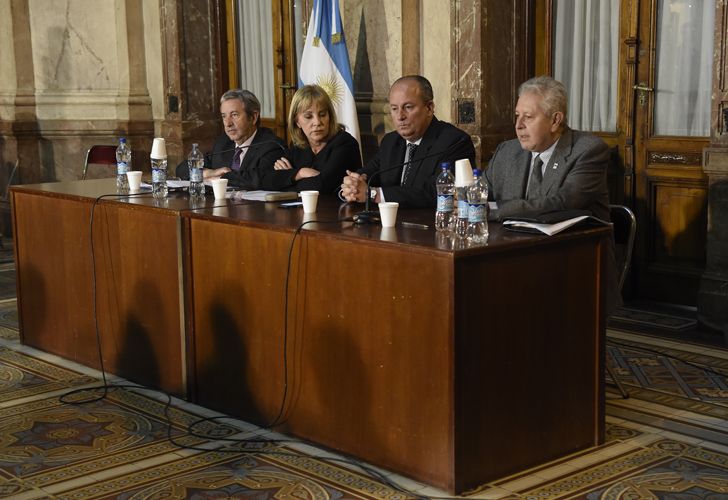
(325, 62)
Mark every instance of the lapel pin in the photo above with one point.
(555, 166)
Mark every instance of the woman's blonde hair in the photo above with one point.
(302, 100)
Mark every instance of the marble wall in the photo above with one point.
(71, 81)
(74, 73)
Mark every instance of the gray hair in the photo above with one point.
(552, 92)
(250, 102)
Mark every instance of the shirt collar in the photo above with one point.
(545, 155)
(248, 141)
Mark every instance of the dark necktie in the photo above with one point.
(236, 159)
(534, 183)
(409, 167)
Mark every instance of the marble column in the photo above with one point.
(192, 74)
(70, 81)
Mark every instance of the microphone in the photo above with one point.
(368, 216)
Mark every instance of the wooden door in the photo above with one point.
(269, 54)
(670, 190)
(656, 168)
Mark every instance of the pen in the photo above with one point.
(413, 224)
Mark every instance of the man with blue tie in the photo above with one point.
(246, 150)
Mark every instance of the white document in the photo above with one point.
(548, 229)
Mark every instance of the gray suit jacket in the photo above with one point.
(575, 177)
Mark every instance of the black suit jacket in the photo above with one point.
(340, 154)
(263, 152)
(442, 140)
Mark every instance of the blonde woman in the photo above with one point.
(321, 151)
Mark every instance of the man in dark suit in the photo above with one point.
(548, 167)
(246, 151)
(408, 161)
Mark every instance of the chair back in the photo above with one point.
(625, 229)
(6, 180)
(99, 155)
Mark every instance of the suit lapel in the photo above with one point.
(428, 140)
(521, 172)
(396, 157)
(557, 163)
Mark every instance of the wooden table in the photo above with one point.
(450, 364)
(139, 292)
(455, 365)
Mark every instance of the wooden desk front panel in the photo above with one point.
(369, 349)
(138, 300)
(529, 358)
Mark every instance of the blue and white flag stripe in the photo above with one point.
(325, 62)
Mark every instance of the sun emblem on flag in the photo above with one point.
(332, 86)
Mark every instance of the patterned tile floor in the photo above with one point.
(669, 440)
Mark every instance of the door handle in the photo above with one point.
(287, 86)
(642, 90)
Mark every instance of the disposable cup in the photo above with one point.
(135, 179)
(388, 213)
(463, 173)
(159, 149)
(219, 187)
(310, 200)
(388, 234)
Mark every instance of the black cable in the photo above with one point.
(106, 387)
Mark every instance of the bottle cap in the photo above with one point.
(159, 149)
(463, 173)
(122, 139)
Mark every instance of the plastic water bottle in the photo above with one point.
(123, 165)
(445, 199)
(159, 177)
(195, 161)
(478, 209)
(461, 221)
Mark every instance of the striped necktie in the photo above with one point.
(409, 167)
(236, 159)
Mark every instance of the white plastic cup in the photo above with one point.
(135, 180)
(463, 173)
(388, 213)
(219, 187)
(389, 234)
(220, 211)
(159, 149)
(310, 200)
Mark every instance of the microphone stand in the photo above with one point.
(368, 216)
